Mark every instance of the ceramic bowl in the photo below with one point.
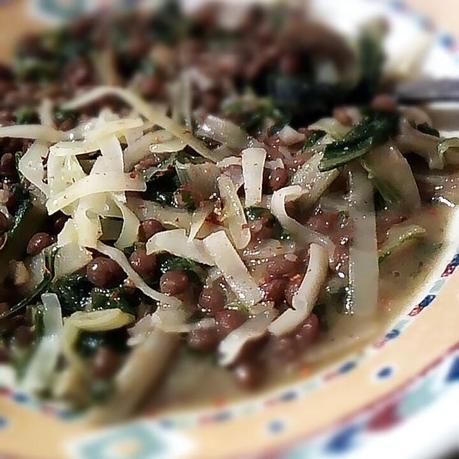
(395, 398)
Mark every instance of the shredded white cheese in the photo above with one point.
(97, 183)
(118, 256)
(301, 233)
(177, 242)
(31, 165)
(253, 163)
(305, 298)
(234, 216)
(146, 110)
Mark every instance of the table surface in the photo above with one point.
(445, 13)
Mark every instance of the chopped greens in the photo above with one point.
(255, 213)
(42, 287)
(73, 291)
(119, 297)
(28, 220)
(26, 115)
(374, 129)
(313, 139)
(76, 293)
(170, 263)
(251, 113)
(426, 128)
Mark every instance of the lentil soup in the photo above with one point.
(186, 200)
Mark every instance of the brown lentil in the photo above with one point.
(274, 290)
(341, 114)
(150, 86)
(384, 102)
(261, 229)
(38, 242)
(149, 228)
(105, 363)
(248, 375)
(174, 282)
(7, 165)
(211, 299)
(104, 272)
(278, 178)
(280, 266)
(228, 320)
(143, 264)
(203, 339)
(4, 223)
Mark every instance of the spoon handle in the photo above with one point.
(427, 91)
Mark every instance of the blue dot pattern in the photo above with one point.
(385, 372)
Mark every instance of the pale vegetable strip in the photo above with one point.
(233, 269)
(79, 147)
(254, 328)
(138, 376)
(136, 151)
(45, 113)
(393, 177)
(103, 320)
(398, 238)
(363, 252)
(331, 126)
(130, 228)
(198, 219)
(44, 361)
(305, 298)
(224, 131)
(109, 128)
(70, 258)
(313, 182)
(411, 140)
(167, 215)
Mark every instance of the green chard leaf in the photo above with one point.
(42, 287)
(28, 220)
(426, 128)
